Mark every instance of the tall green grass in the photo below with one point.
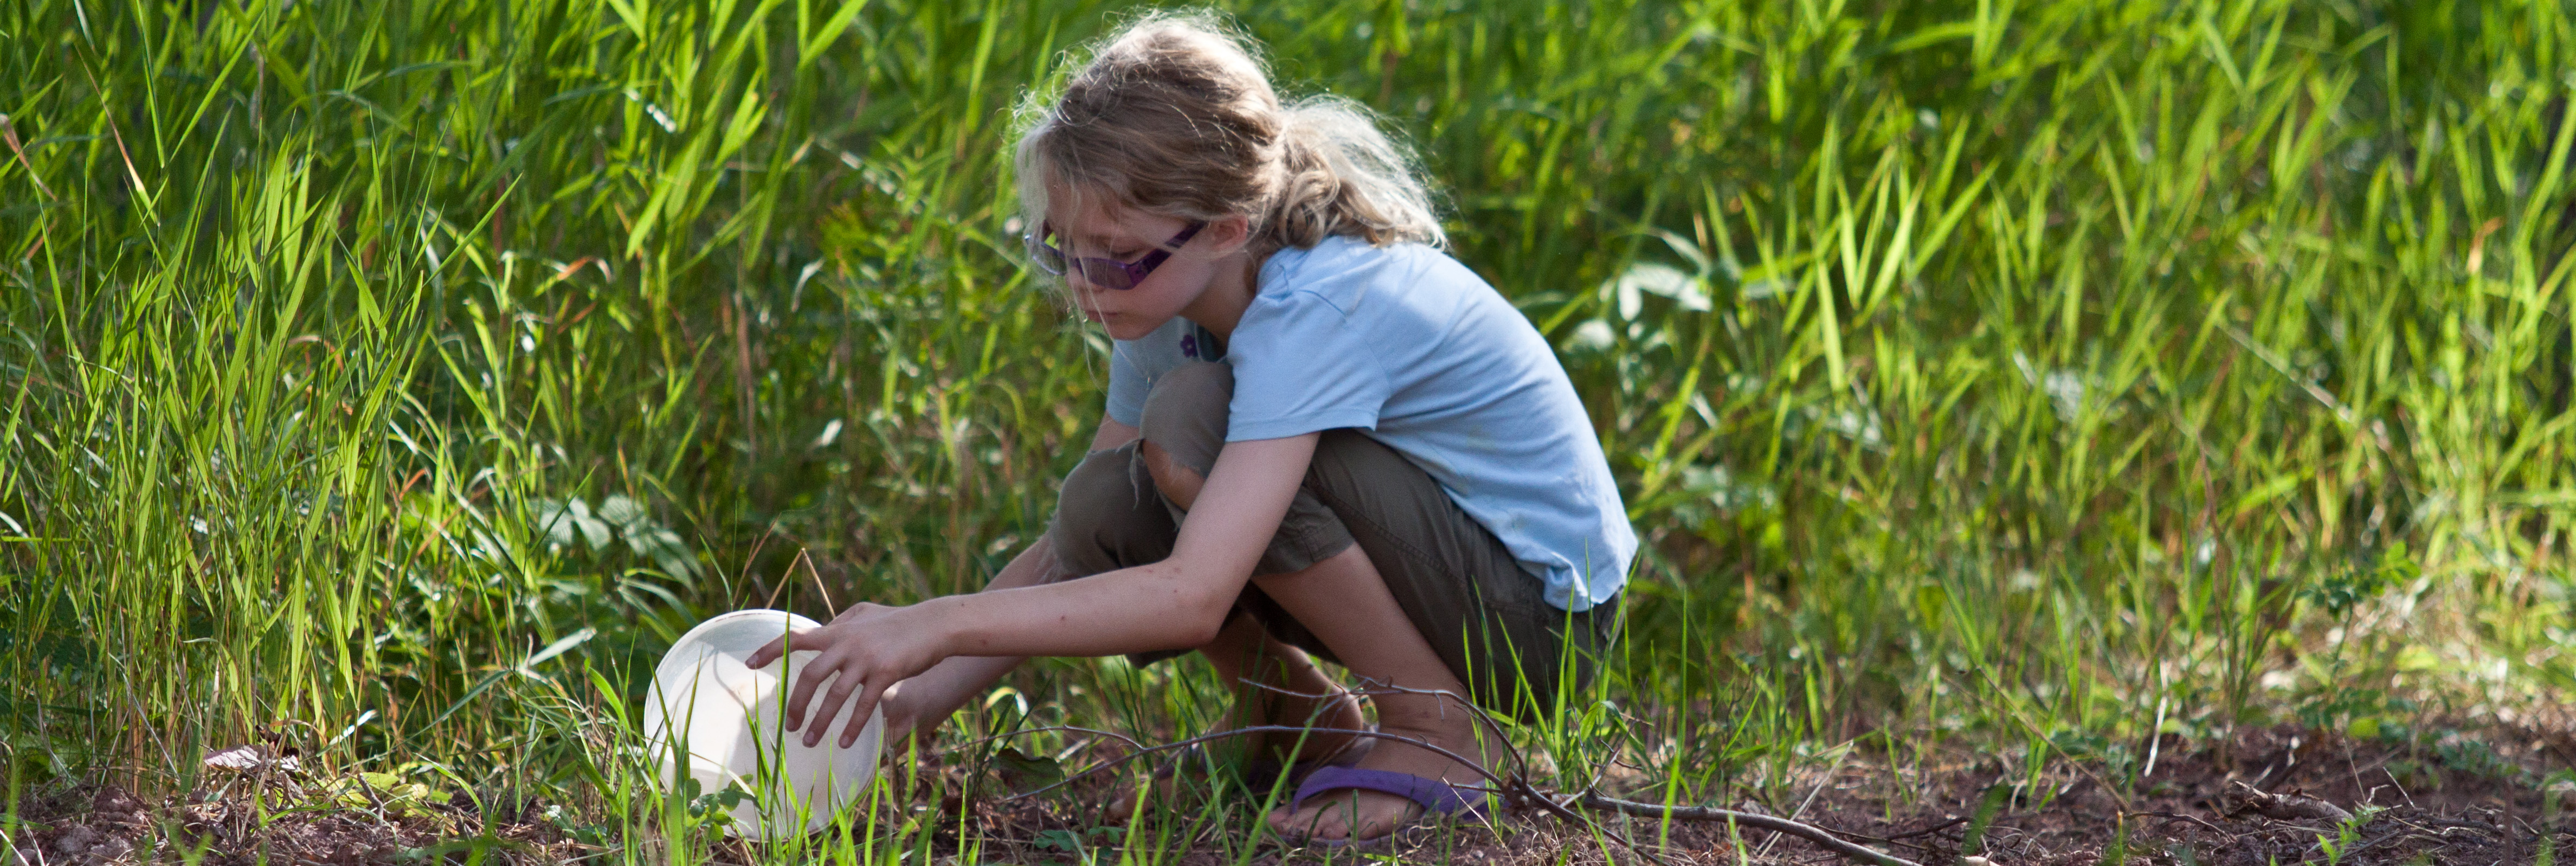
(399, 378)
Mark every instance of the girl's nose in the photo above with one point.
(1085, 294)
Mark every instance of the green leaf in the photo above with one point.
(1660, 279)
(1930, 36)
(559, 647)
(1931, 600)
(2271, 489)
(1024, 773)
(1061, 840)
(822, 37)
(623, 512)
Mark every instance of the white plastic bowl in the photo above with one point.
(727, 715)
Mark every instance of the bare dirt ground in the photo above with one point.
(2268, 796)
(92, 823)
(2279, 795)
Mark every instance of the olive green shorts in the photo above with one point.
(1472, 600)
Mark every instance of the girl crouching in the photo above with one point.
(1324, 439)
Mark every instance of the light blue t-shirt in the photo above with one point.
(1414, 349)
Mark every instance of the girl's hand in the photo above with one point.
(869, 647)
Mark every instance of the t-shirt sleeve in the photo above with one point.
(1300, 366)
(1128, 385)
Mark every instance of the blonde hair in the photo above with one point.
(1174, 115)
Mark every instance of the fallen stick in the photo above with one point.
(2241, 797)
(1819, 835)
(1909, 834)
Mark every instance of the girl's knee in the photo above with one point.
(1184, 428)
(1185, 413)
(1178, 483)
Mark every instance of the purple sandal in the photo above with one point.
(1437, 798)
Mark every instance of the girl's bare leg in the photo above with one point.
(1345, 602)
(1243, 655)
(1241, 652)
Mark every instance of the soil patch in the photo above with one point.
(2277, 795)
(2280, 795)
(97, 824)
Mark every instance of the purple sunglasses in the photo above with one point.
(1105, 273)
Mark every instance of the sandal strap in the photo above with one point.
(1437, 797)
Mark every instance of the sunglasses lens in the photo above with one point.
(1044, 255)
(1105, 274)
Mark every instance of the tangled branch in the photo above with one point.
(1517, 790)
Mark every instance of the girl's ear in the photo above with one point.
(1229, 234)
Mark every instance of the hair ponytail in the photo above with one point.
(1173, 115)
(1340, 175)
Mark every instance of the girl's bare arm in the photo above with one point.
(917, 705)
(932, 695)
(1179, 602)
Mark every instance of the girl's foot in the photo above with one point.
(1349, 814)
(1295, 693)
(1257, 775)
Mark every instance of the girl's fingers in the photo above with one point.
(760, 658)
(807, 680)
(842, 685)
(859, 714)
(769, 652)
